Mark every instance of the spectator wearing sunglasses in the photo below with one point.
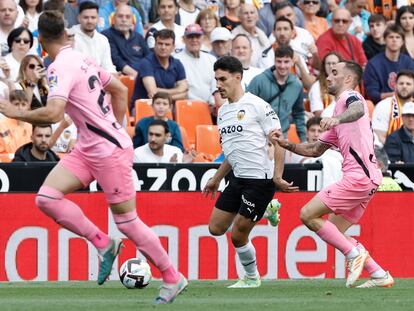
(314, 24)
(338, 39)
(20, 40)
(359, 26)
(32, 79)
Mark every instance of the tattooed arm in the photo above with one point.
(315, 149)
(351, 114)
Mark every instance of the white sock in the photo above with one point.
(247, 256)
(380, 273)
(353, 253)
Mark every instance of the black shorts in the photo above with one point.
(248, 197)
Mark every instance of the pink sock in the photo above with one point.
(170, 275)
(69, 215)
(370, 265)
(331, 235)
(148, 243)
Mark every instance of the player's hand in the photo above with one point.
(8, 109)
(276, 137)
(328, 123)
(211, 188)
(285, 186)
(67, 121)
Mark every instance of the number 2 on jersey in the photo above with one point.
(91, 81)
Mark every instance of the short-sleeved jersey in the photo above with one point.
(243, 128)
(80, 82)
(355, 141)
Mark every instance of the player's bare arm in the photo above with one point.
(53, 112)
(279, 156)
(213, 184)
(351, 114)
(119, 98)
(315, 149)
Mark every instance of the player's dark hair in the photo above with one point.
(19, 95)
(284, 51)
(230, 64)
(376, 18)
(160, 122)
(405, 73)
(41, 126)
(313, 121)
(88, 5)
(284, 19)
(51, 25)
(164, 34)
(355, 68)
(163, 95)
(393, 28)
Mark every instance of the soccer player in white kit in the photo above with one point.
(103, 152)
(244, 121)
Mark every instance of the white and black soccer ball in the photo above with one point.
(135, 273)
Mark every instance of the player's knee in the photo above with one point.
(216, 230)
(47, 198)
(304, 216)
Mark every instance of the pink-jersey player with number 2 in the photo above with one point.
(103, 152)
(350, 131)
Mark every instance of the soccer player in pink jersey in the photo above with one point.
(103, 152)
(350, 130)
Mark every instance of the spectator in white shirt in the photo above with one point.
(242, 50)
(88, 40)
(156, 150)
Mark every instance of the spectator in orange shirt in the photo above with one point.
(314, 24)
(14, 133)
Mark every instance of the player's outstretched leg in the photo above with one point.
(70, 216)
(272, 212)
(379, 277)
(150, 246)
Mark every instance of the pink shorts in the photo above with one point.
(348, 198)
(113, 173)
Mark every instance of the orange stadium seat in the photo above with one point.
(293, 135)
(189, 114)
(184, 138)
(208, 140)
(6, 157)
(129, 82)
(143, 109)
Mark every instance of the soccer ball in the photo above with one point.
(135, 273)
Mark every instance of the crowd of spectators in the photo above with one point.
(168, 48)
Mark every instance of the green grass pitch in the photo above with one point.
(290, 295)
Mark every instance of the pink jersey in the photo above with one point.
(77, 79)
(355, 141)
